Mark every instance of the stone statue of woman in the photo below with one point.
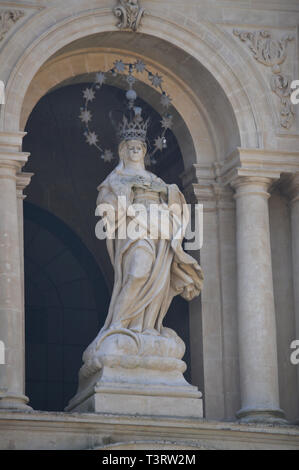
(148, 272)
(135, 364)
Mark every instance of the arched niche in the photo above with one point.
(59, 219)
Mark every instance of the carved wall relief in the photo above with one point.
(7, 19)
(130, 14)
(272, 53)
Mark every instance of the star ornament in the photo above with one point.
(89, 94)
(167, 122)
(140, 66)
(100, 78)
(156, 80)
(91, 138)
(119, 66)
(166, 100)
(107, 156)
(85, 116)
(159, 143)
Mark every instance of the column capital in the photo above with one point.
(251, 185)
(257, 163)
(11, 155)
(23, 180)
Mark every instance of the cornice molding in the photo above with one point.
(11, 149)
(210, 190)
(214, 182)
(258, 163)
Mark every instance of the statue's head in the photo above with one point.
(132, 150)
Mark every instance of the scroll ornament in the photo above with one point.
(130, 14)
(272, 53)
(7, 19)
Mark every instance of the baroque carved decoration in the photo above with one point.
(7, 19)
(272, 53)
(130, 14)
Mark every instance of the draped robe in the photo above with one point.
(148, 273)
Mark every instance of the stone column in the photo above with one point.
(293, 193)
(256, 313)
(23, 180)
(11, 304)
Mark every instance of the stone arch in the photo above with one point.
(249, 105)
(79, 65)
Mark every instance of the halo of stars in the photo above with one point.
(89, 95)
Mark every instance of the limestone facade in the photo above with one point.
(228, 66)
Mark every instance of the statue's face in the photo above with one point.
(135, 151)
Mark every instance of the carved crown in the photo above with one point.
(134, 129)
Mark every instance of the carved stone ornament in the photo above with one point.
(130, 14)
(7, 19)
(273, 53)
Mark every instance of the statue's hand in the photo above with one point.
(135, 181)
(141, 182)
(159, 188)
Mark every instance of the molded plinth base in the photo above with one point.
(144, 400)
(261, 416)
(14, 402)
(136, 374)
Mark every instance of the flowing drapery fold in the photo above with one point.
(148, 272)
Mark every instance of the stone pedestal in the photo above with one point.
(136, 374)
